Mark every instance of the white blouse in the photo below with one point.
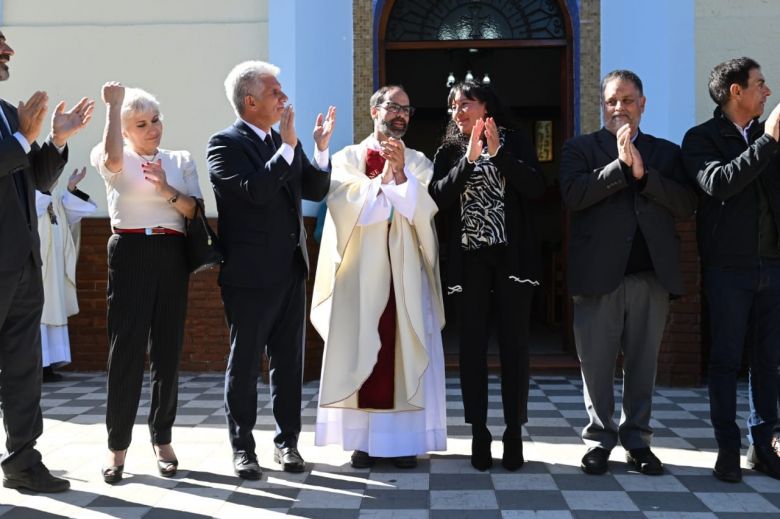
(132, 201)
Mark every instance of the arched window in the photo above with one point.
(443, 20)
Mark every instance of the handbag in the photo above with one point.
(202, 247)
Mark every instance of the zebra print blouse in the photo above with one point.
(482, 207)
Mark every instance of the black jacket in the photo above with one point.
(606, 210)
(259, 205)
(728, 173)
(41, 168)
(516, 161)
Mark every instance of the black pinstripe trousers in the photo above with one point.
(147, 305)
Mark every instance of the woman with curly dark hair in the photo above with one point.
(484, 173)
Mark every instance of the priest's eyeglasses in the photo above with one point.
(395, 108)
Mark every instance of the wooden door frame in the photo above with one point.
(567, 100)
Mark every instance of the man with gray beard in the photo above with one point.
(377, 298)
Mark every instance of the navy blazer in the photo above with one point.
(259, 205)
(41, 168)
(606, 210)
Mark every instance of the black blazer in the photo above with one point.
(606, 209)
(516, 161)
(41, 168)
(259, 205)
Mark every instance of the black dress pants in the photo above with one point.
(267, 320)
(21, 303)
(147, 304)
(485, 271)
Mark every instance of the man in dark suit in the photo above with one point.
(24, 167)
(259, 178)
(624, 189)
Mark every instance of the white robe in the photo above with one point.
(417, 424)
(59, 254)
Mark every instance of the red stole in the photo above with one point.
(377, 392)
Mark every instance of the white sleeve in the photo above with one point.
(404, 197)
(377, 206)
(288, 153)
(321, 157)
(41, 202)
(190, 175)
(76, 208)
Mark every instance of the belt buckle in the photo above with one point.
(149, 231)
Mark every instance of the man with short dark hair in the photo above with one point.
(733, 158)
(24, 167)
(624, 189)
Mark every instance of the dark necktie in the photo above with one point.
(19, 180)
(269, 142)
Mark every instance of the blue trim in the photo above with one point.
(574, 13)
(379, 5)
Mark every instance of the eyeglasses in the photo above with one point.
(395, 108)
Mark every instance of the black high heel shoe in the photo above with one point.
(113, 474)
(166, 468)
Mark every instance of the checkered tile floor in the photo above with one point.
(444, 485)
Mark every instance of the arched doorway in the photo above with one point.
(524, 47)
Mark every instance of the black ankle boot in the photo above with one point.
(481, 458)
(513, 450)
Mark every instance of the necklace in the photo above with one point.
(148, 158)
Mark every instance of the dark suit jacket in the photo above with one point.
(259, 204)
(41, 168)
(606, 209)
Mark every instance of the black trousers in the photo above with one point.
(147, 305)
(486, 271)
(270, 320)
(21, 303)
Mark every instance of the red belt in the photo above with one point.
(148, 231)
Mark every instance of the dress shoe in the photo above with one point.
(245, 465)
(481, 457)
(49, 375)
(36, 478)
(166, 468)
(513, 453)
(361, 460)
(727, 466)
(765, 460)
(405, 462)
(595, 461)
(752, 457)
(289, 458)
(645, 461)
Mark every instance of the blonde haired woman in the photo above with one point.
(150, 193)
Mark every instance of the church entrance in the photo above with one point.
(523, 48)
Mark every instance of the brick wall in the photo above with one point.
(206, 343)
(680, 359)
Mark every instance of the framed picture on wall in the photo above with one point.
(543, 139)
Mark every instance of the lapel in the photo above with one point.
(607, 143)
(260, 147)
(646, 145)
(10, 115)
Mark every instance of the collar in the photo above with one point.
(259, 131)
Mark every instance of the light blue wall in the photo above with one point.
(311, 41)
(655, 39)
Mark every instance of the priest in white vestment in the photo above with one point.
(58, 213)
(377, 299)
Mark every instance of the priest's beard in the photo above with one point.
(395, 127)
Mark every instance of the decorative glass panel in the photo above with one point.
(434, 20)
